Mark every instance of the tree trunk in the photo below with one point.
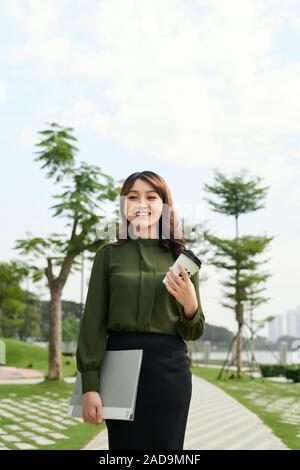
(238, 350)
(55, 336)
(56, 286)
(239, 318)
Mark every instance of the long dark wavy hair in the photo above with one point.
(168, 222)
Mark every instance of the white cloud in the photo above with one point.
(199, 90)
(205, 87)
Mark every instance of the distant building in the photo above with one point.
(293, 323)
(288, 324)
(276, 328)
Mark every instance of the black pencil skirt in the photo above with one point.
(163, 395)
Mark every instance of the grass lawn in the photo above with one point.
(26, 355)
(277, 404)
(27, 398)
(25, 403)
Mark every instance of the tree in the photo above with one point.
(32, 317)
(70, 328)
(86, 188)
(254, 299)
(12, 297)
(237, 195)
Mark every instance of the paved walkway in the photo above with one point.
(10, 374)
(216, 421)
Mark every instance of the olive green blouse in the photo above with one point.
(126, 293)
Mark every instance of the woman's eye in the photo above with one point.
(134, 197)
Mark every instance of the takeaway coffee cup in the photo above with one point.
(189, 260)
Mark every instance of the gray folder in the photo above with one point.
(120, 372)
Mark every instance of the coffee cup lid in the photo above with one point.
(193, 257)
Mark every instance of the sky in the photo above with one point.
(179, 87)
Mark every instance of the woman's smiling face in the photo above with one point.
(143, 206)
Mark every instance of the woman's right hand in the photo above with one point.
(92, 411)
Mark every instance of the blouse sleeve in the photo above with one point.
(92, 337)
(191, 328)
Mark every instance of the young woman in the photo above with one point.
(129, 307)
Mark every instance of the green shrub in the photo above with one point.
(272, 370)
(293, 373)
(280, 370)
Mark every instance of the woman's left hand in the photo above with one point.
(182, 288)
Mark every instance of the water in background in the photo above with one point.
(262, 357)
